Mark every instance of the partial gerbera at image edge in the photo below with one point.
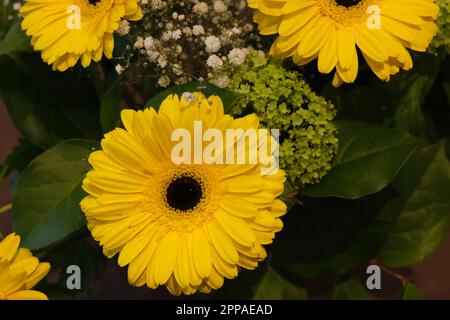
(20, 271)
(187, 227)
(68, 31)
(331, 31)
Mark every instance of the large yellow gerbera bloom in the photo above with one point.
(19, 271)
(185, 226)
(70, 30)
(331, 30)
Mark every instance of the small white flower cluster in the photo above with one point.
(183, 40)
(124, 28)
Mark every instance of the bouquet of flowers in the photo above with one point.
(182, 144)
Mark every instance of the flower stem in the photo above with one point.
(6, 208)
(396, 275)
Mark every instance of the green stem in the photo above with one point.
(6, 208)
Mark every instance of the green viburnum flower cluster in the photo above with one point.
(442, 38)
(282, 100)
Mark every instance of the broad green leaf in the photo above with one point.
(110, 107)
(351, 289)
(208, 89)
(15, 40)
(446, 79)
(331, 235)
(410, 292)
(411, 90)
(264, 283)
(369, 101)
(447, 91)
(368, 159)
(399, 102)
(46, 202)
(274, 287)
(46, 106)
(19, 158)
(424, 202)
(79, 251)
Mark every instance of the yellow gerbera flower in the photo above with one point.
(69, 30)
(19, 271)
(185, 226)
(331, 30)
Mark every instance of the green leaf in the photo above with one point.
(46, 106)
(369, 101)
(110, 107)
(447, 91)
(424, 206)
(208, 89)
(411, 91)
(351, 289)
(274, 287)
(400, 103)
(46, 203)
(264, 283)
(331, 235)
(446, 80)
(410, 292)
(369, 157)
(80, 251)
(20, 157)
(15, 40)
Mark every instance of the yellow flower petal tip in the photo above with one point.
(184, 226)
(20, 271)
(68, 31)
(332, 31)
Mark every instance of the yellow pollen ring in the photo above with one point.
(345, 16)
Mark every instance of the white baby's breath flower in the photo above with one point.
(166, 36)
(219, 6)
(164, 81)
(139, 43)
(124, 28)
(162, 62)
(200, 8)
(156, 4)
(187, 31)
(17, 6)
(212, 44)
(237, 56)
(223, 81)
(248, 27)
(153, 55)
(149, 43)
(119, 69)
(177, 70)
(236, 30)
(198, 30)
(214, 61)
(177, 34)
(169, 26)
(189, 97)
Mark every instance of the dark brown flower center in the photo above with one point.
(94, 2)
(348, 3)
(184, 193)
